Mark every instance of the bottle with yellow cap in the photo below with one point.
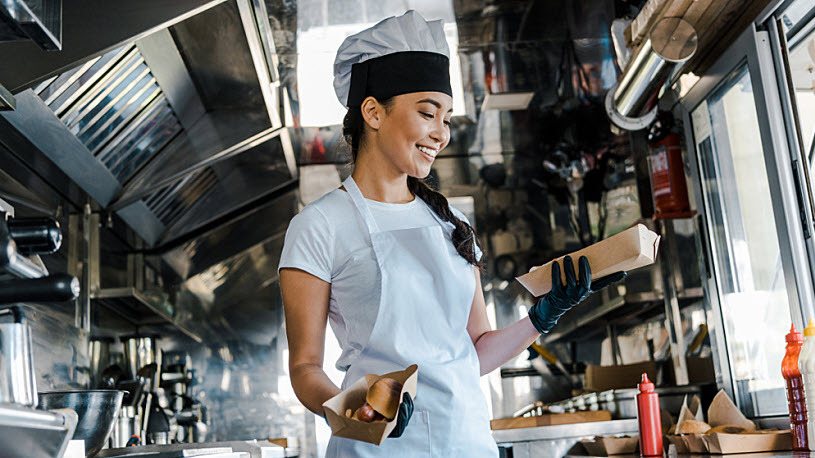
(806, 364)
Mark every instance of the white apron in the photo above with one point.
(427, 292)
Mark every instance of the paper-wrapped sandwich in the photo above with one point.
(366, 411)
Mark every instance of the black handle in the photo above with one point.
(16, 313)
(53, 288)
(35, 235)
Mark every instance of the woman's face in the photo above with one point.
(413, 129)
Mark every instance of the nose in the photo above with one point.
(440, 134)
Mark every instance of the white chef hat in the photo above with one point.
(398, 55)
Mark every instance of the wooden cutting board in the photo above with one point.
(551, 419)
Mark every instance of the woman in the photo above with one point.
(394, 268)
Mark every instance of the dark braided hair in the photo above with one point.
(464, 238)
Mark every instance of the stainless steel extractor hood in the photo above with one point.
(171, 131)
(39, 20)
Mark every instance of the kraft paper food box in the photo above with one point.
(630, 249)
(610, 445)
(723, 411)
(374, 432)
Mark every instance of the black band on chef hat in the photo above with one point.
(399, 73)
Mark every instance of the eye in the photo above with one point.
(427, 115)
(447, 123)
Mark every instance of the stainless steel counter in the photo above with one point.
(253, 449)
(558, 440)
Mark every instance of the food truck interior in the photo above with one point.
(153, 153)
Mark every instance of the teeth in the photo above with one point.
(428, 151)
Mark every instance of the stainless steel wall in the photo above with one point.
(60, 349)
(244, 388)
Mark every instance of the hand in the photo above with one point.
(545, 313)
(403, 416)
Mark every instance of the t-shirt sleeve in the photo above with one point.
(309, 244)
(461, 216)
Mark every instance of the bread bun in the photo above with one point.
(384, 395)
(692, 427)
(729, 429)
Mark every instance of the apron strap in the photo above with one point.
(359, 202)
(364, 211)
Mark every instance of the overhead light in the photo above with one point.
(507, 101)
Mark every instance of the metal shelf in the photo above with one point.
(612, 310)
(140, 308)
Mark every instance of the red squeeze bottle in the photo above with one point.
(795, 390)
(649, 419)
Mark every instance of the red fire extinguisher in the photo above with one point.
(668, 186)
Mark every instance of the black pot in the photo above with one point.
(97, 411)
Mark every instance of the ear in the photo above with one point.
(372, 112)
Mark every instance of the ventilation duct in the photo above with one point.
(631, 103)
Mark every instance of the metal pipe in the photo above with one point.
(23, 417)
(631, 103)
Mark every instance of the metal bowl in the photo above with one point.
(97, 411)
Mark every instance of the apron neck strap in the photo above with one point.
(364, 211)
(359, 202)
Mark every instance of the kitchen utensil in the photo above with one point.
(18, 384)
(126, 427)
(146, 375)
(35, 235)
(53, 288)
(140, 351)
(97, 411)
(99, 351)
(137, 393)
(110, 377)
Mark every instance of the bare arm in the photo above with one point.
(494, 348)
(305, 303)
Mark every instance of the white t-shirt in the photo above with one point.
(329, 240)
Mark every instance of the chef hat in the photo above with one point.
(398, 55)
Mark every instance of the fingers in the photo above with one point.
(568, 266)
(403, 417)
(601, 283)
(585, 273)
(557, 283)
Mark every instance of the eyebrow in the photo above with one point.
(432, 102)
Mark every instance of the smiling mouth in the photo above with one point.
(430, 152)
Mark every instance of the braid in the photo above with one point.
(464, 238)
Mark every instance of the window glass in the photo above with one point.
(749, 275)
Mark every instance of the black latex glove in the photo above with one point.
(403, 416)
(552, 305)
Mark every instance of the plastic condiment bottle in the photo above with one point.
(795, 390)
(649, 419)
(806, 364)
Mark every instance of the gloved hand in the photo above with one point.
(552, 305)
(403, 416)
